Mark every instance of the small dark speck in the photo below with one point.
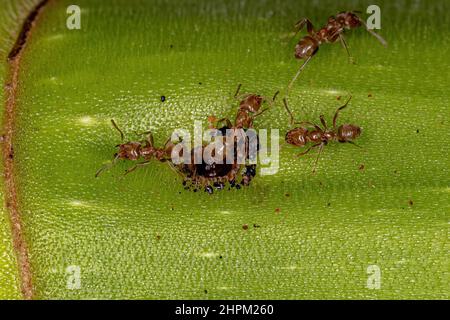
(256, 226)
(277, 210)
(287, 194)
(158, 237)
(417, 131)
(245, 227)
(220, 257)
(369, 95)
(410, 202)
(163, 98)
(361, 167)
(171, 46)
(338, 98)
(329, 204)
(200, 83)
(206, 291)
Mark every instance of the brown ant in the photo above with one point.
(136, 150)
(333, 31)
(320, 137)
(218, 174)
(249, 108)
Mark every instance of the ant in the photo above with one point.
(333, 31)
(320, 137)
(135, 150)
(249, 108)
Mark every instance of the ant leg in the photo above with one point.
(117, 128)
(149, 137)
(259, 113)
(309, 149)
(337, 112)
(297, 75)
(238, 89)
(344, 44)
(376, 35)
(291, 116)
(322, 120)
(107, 166)
(301, 24)
(228, 122)
(317, 159)
(140, 164)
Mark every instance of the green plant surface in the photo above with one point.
(12, 13)
(144, 236)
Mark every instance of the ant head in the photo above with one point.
(307, 46)
(252, 102)
(352, 20)
(296, 137)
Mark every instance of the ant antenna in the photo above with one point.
(288, 110)
(107, 166)
(275, 95)
(356, 145)
(238, 89)
(117, 128)
(376, 35)
(339, 109)
(318, 157)
(297, 74)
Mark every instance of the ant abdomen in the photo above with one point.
(348, 132)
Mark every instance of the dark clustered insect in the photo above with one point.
(163, 98)
(218, 176)
(143, 151)
(333, 31)
(215, 176)
(309, 132)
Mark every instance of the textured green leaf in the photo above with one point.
(12, 14)
(144, 236)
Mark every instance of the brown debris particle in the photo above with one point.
(245, 227)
